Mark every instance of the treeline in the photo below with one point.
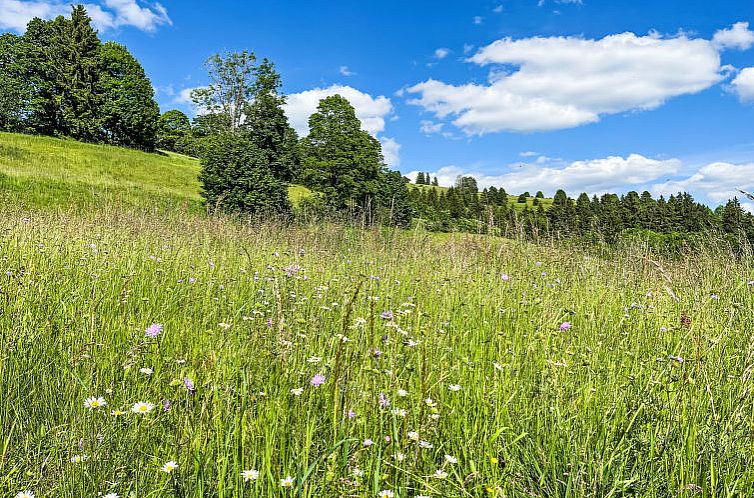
(59, 79)
(463, 207)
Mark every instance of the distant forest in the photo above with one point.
(60, 79)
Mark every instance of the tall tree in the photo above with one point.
(15, 88)
(171, 127)
(340, 159)
(128, 114)
(231, 86)
(267, 126)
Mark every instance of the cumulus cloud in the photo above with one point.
(391, 151)
(717, 181)
(743, 84)
(540, 84)
(345, 71)
(595, 176)
(371, 111)
(106, 14)
(737, 36)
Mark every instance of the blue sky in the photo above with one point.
(524, 94)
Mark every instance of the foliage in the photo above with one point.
(236, 177)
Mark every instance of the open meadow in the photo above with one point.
(180, 356)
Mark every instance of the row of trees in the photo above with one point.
(58, 78)
(249, 152)
(463, 207)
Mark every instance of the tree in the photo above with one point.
(236, 177)
(340, 159)
(467, 184)
(539, 195)
(266, 124)
(15, 90)
(420, 178)
(393, 199)
(522, 198)
(434, 182)
(171, 127)
(128, 114)
(230, 89)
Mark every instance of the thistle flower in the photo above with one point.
(153, 330)
(94, 402)
(317, 380)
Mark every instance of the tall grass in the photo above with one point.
(648, 393)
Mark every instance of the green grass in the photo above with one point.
(648, 394)
(44, 172)
(598, 410)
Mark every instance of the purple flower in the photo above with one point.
(386, 315)
(189, 384)
(565, 326)
(153, 330)
(317, 380)
(269, 322)
(166, 405)
(384, 400)
(504, 277)
(376, 352)
(351, 414)
(192, 280)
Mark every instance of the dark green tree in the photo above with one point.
(15, 89)
(420, 178)
(172, 126)
(236, 177)
(128, 114)
(340, 159)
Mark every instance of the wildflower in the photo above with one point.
(314, 359)
(351, 414)
(386, 315)
(79, 458)
(565, 326)
(166, 405)
(146, 371)
(384, 400)
(399, 457)
(357, 472)
(367, 443)
(413, 435)
(454, 387)
(504, 277)
(142, 407)
(426, 444)
(111, 495)
(117, 413)
(385, 493)
(250, 475)
(153, 330)
(189, 384)
(440, 474)
(400, 412)
(93, 402)
(297, 391)
(287, 482)
(451, 459)
(678, 359)
(317, 380)
(169, 467)
(25, 494)
(430, 403)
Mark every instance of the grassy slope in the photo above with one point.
(50, 172)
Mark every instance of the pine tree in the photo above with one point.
(420, 178)
(434, 182)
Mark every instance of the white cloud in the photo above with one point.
(183, 97)
(564, 82)
(441, 53)
(107, 14)
(345, 71)
(391, 151)
(737, 36)
(478, 19)
(430, 127)
(717, 181)
(596, 176)
(372, 111)
(743, 84)
(498, 9)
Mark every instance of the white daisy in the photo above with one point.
(142, 407)
(94, 402)
(169, 467)
(250, 475)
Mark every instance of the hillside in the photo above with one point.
(512, 198)
(44, 172)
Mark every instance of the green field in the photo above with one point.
(355, 362)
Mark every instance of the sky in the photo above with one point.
(585, 95)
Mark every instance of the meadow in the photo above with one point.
(186, 356)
